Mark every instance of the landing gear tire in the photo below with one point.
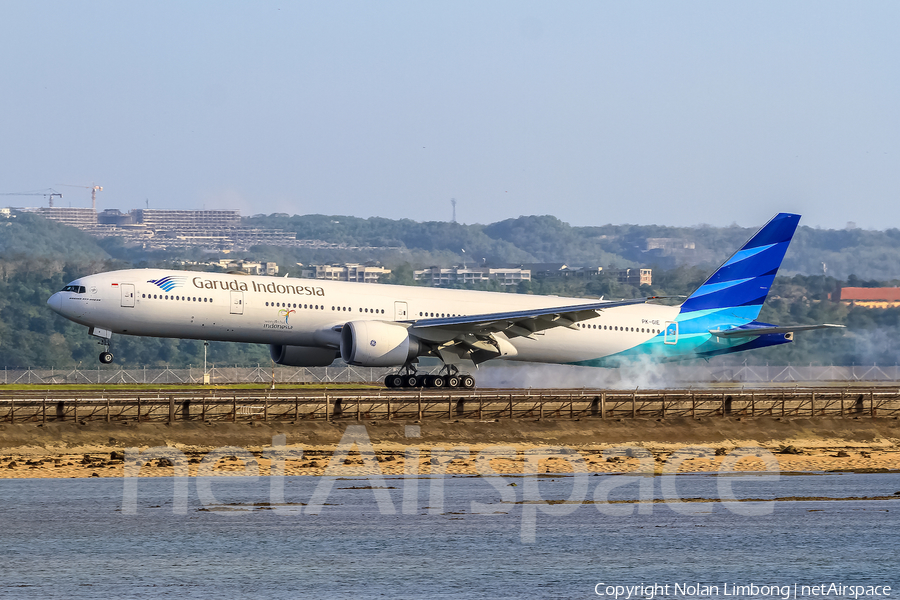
(411, 381)
(467, 381)
(437, 381)
(106, 357)
(393, 381)
(452, 381)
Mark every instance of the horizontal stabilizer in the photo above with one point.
(752, 331)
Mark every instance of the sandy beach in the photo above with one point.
(66, 450)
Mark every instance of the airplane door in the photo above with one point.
(127, 294)
(400, 311)
(671, 334)
(237, 303)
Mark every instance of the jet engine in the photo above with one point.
(302, 356)
(377, 344)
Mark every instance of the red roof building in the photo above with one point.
(871, 297)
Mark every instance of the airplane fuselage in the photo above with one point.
(305, 312)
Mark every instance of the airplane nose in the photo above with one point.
(55, 303)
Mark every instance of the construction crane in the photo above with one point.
(46, 193)
(94, 189)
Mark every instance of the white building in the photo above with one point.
(247, 266)
(635, 277)
(347, 272)
(438, 277)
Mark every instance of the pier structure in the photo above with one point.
(337, 405)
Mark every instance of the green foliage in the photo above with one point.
(865, 254)
(401, 275)
(28, 234)
(360, 236)
(550, 240)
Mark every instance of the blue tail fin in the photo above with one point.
(740, 286)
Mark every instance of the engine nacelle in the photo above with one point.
(302, 356)
(377, 344)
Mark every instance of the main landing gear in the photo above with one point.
(450, 377)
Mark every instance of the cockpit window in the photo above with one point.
(78, 289)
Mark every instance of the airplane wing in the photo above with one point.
(749, 331)
(525, 322)
(472, 337)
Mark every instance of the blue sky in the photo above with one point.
(596, 112)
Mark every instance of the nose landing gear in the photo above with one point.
(106, 356)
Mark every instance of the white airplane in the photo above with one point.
(310, 323)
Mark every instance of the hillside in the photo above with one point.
(846, 252)
(28, 234)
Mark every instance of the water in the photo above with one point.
(70, 539)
